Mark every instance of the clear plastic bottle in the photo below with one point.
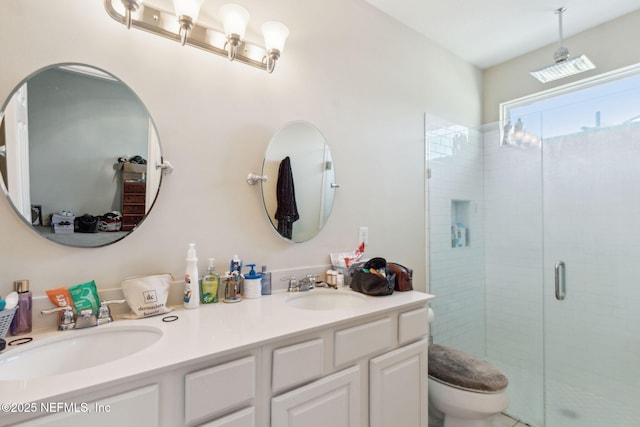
(210, 284)
(191, 288)
(266, 281)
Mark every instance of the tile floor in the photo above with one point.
(506, 421)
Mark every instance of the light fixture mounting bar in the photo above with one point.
(152, 20)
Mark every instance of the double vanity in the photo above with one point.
(319, 358)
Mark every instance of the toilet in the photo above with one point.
(463, 391)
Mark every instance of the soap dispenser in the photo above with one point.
(252, 283)
(210, 284)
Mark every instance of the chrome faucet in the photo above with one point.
(86, 318)
(67, 319)
(305, 284)
(104, 312)
(308, 282)
(293, 283)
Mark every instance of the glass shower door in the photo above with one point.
(591, 214)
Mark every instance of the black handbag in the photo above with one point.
(373, 278)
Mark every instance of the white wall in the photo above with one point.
(610, 46)
(359, 76)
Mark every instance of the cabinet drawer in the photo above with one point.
(133, 209)
(413, 325)
(137, 199)
(221, 388)
(353, 343)
(296, 364)
(131, 219)
(135, 187)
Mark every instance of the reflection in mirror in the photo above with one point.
(78, 151)
(299, 193)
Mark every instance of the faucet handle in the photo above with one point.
(68, 318)
(104, 312)
(293, 283)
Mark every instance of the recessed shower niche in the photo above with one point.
(460, 214)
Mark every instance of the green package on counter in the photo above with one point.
(85, 295)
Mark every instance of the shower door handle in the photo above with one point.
(561, 289)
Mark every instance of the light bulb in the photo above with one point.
(190, 8)
(235, 19)
(275, 35)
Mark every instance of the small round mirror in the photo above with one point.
(78, 155)
(299, 193)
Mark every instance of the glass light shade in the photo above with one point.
(275, 35)
(235, 19)
(190, 8)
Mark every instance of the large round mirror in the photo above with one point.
(78, 155)
(300, 187)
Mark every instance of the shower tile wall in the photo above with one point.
(513, 271)
(456, 275)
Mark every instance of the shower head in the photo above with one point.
(563, 66)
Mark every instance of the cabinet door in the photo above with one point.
(331, 401)
(398, 387)
(244, 418)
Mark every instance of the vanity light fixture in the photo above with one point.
(187, 12)
(182, 25)
(275, 35)
(130, 7)
(235, 19)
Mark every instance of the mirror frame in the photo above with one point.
(159, 171)
(268, 189)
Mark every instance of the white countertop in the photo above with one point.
(211, 330)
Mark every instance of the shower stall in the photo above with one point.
(534, 256)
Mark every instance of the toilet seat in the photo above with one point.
(463, 371)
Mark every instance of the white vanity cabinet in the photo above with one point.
(350, 370)
(369, 372)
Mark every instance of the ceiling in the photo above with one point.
(489, 32)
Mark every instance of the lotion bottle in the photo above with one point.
(191, 288)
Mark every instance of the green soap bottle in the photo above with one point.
(210, 284)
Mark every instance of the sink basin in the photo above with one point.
(329, 300)
(75, 350)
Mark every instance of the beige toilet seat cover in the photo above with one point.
(464, 371)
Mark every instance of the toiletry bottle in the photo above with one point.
(266, 281)
(21, 323)
(191, 288)
(235, 264)
(252, 283)
(210, 284)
